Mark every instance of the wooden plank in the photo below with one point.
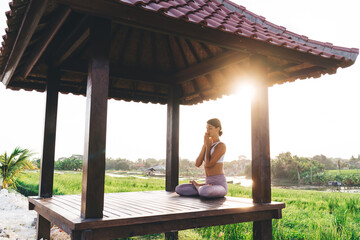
(75, 200)
(36, 51)
(145, 207)
(92, 198)
(172, 138)
(153, 21)
(68, 205)
(48, 154)
(260, 142)
(32, 16)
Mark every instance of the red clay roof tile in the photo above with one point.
(231, 17)
(194, 18)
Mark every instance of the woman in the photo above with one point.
(212, 155)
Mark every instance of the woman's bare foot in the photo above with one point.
(196, 185)
(193, 182)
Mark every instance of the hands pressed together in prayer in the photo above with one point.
(207, 140)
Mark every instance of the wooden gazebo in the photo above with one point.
(160, 51)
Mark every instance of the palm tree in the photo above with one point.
(11, 166)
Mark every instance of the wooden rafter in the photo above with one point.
(212, 64)
(154, 48)
(207, 50)
(126, 44)
(32, 16)
(301, 73)
(74, 39)
(56, 22)
(153, 21)
(192, 49)
(170, 53)
(181, 51)
(140, 48)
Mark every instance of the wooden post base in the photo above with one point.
(171, 236)
(42, 228)
(262, 230)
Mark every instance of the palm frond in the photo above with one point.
(13, 165)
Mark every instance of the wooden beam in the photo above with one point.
(172, 141)
(32, 16)
(153, 21)
(36, 51)
(260, 142)
(133, 74)
(210, 65)
(74, 39)
(92, 197)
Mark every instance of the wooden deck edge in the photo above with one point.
(52, 216)
(81, 224)
(180, 224)
(108, 228)
(97, 224)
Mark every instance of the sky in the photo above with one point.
(307, 117)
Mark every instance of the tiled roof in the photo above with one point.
(199, 44)
(230, 17)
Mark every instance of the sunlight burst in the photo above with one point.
(246, 91)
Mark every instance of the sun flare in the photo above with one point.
(246, 90)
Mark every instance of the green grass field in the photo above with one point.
(308, 214)
(342, 172)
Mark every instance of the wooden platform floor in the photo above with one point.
(139, 213)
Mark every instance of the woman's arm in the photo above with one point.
(202, 154)
(219, 151)
(200, 158)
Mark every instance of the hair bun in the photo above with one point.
(220, 132)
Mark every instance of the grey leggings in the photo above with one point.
(215, 187)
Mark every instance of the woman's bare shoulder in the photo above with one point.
(221, 145)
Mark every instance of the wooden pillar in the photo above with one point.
(261, 188)
(172, 146)
(92, 197)
(48, 154)
(172, 139)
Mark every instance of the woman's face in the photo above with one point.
(212, 130)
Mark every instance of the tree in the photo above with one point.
(36, 163)
(294, 168)
(328, 162)
(284, 167)
(354, 163)
(71, 163)
(11, 166)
